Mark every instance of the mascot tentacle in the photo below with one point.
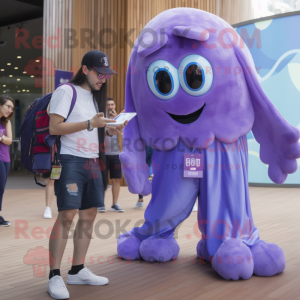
(279, 147)
(132, 157)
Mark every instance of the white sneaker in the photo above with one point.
(116, 208)
(101, 209)
(48, 213)
(139, 204)
(85, 276)
(57, 289)
(195, 208)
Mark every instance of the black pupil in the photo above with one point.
(163, 82)
(194, 76)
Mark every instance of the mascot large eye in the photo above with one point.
(163, 79)
(195, 75)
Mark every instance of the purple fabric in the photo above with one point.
(234, 105)
(4, 149)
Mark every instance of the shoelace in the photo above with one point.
(59, 282)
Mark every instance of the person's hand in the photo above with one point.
(118, 129)
(115, 130)
(112, 114)
(99, 121)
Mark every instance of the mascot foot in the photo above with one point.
(233, 260)
(268, 259)
(202, 250)
(128, 246)
(159, 249)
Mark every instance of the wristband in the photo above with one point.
(108, 133)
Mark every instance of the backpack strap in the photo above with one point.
(71, 109)
(73, 98)
(40, 184)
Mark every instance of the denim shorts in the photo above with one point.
(80, 185)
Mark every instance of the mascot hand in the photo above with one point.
(136, 173)
(282, 159)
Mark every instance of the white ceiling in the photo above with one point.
(9, 53)
(12, 10)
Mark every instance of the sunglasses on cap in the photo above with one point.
(100, 76)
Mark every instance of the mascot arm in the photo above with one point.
(133, 155)
(279, 141)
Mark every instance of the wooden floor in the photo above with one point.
(275, 210)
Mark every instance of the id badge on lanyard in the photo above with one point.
(55, 172)
(56, 169)
(193, 165)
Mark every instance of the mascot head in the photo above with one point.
(192, 77)
(186, 80)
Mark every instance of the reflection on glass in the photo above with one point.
(163, 82)
(193, 75)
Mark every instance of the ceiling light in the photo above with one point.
(23, 91)
(19, 56)
(16, 68)
(4, 85)
(8, 64)
(10, 76)
(19, 91)
(32, 76)
(2, 70)
(37, 60)
(3, 92)
(24, 72)
(28, 91)
(18, 79)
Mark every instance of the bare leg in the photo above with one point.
(49, 192)
(59, 237)
(83, 234)
(115, 190)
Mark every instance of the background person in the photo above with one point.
(7, 106)
(49, 195)
(113, 164)
(149, 154)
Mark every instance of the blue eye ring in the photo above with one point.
(203, 76)
(172, 81)
(159, 66)
(207, 75)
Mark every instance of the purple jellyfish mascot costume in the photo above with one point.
(192, 82)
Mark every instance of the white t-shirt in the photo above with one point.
(82, 143)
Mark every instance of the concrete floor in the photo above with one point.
(21, 180)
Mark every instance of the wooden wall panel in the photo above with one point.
(58, 15)
(140, 12)
(234, 11)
